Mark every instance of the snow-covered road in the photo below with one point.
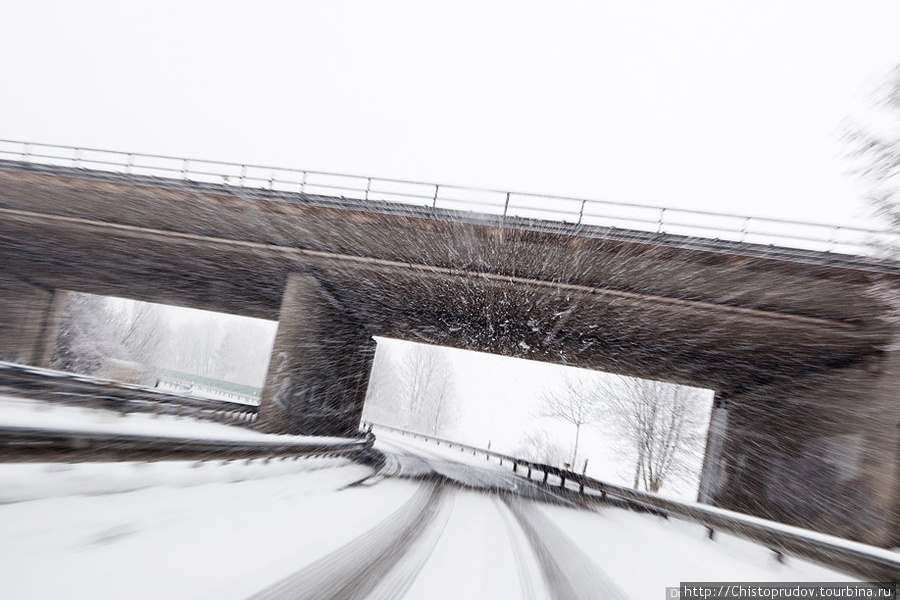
(435, 524)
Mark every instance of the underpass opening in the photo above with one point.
(174, 349)
(519, 407)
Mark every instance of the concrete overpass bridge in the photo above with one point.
(797, 343)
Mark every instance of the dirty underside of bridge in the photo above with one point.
(796, 343)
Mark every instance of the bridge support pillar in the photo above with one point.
(820, 450)
(320, 365)
(714, 460)
(30, 316)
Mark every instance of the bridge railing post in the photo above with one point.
(832, 240)
(843, 239)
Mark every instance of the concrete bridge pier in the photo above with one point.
(820, 450)
(320, 365)
(30, 316)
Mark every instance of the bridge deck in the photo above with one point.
(584, 295)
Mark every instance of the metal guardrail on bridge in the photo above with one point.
(561, 209)
(857, 559)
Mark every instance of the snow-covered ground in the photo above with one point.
(27, 413)
(220, 531)
(214, 540)
(481, 553)
(633, 555)
(643, 554)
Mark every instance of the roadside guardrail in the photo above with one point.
(867, 562)
(92, 392)
(32, 444)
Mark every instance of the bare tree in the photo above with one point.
(537, 445)
(139, 332)
(575, 401)
(383, 401)
(426, 389)
(245, 352)
(81, 344)
(223, 347)
(197, 347)
(662, 426)
(96, 330)
(875, 149)
(875, 154)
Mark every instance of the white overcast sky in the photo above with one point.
(720, 105)
(715, 105)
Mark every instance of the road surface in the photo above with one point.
(433, 524)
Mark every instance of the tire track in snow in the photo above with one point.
(521, 555)
(569, 573)
(472, 476)
(397, 583)
(358, 568)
